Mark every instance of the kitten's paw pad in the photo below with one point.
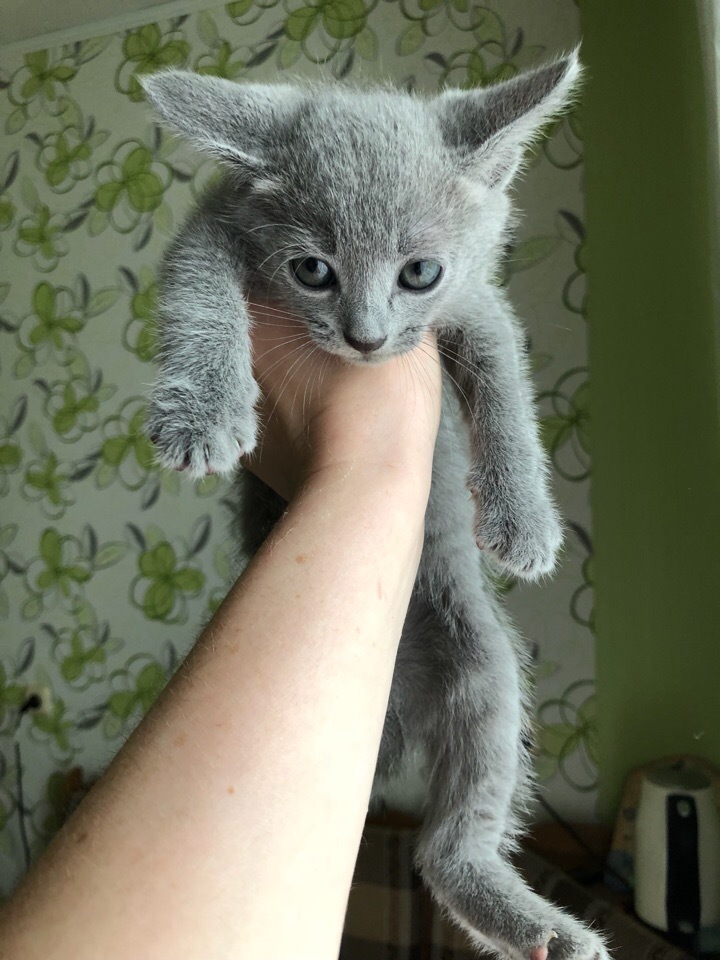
(525, 540)
(541, 952)
(185, 441)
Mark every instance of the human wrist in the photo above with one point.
(361, 458)
(360, 419)
(383, 478)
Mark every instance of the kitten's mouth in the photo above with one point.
(357, 359)
(364, 359)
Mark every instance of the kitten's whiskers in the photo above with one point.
(460, 390)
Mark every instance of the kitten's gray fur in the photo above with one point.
(368, 180)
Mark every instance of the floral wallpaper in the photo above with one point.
(109, 567)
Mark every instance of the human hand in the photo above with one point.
(320, 414)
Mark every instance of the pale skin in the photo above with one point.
(228, 825)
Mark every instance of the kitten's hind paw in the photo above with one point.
(495, 906)
(570, 940)
(573, 941)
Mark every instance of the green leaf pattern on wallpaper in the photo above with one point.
(108, 567)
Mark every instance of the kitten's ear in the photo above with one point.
(233, 121)
(491, 128)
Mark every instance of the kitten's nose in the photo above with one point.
(365, 346)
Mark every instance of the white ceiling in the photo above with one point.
(22, 21)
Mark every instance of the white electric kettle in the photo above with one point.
(677, 851)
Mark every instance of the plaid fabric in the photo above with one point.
(391, 915)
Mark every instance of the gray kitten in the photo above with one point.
(373, 215)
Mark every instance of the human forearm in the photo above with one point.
(236, 819)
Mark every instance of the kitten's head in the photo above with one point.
(367, 212)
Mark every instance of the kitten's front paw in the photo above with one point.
(200, 436)
(523, 537)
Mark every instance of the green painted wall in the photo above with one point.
(654, 369)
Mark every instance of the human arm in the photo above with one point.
(228, 825)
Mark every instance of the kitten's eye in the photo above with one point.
(312, 272)
(420, 274)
